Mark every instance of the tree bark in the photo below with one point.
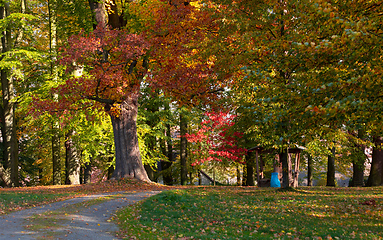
(375, 178)
(239, 180)
(183, 148)
(10, 142)
(284, 158)
(331, 168)
(87, 173)
(98, 9)
(309, 170)
(128, 158)
(150, 172)
(110, 168)
(72, 161)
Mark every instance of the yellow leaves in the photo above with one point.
(115, 110)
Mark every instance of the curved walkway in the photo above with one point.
(78, 218)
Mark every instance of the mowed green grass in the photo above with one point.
(11, 201)
(256, 213)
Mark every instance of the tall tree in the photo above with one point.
(56, 158)
(14, 23)
(8, 108)
(116, 61)
(297, 66)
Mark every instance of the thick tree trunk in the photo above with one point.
(128, 158)
(183, 148)
(358, 161)
(357, 174)
(375, 178)
(9, 171)
(284, 158)
(309, 170)
(72, 161)
(331, 168)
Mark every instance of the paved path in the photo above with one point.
(85, 223)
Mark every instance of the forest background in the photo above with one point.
(203, 80)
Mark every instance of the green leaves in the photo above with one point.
(16, 21)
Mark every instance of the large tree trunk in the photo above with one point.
(375, 178)
(358, 160)
(183, 148)
(72, 161)
(128, 158)
(10, 150)
(331, 168)
(357, 174)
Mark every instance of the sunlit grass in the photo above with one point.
(12, 199)
(254, 213)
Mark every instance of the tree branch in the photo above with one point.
(100, 100)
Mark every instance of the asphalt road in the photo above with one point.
(91, 222)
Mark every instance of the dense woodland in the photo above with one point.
(161, 90)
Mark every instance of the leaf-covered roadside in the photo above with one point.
(253, 213)
(12, 199)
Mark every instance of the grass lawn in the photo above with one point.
(12, 199)
(256, 213)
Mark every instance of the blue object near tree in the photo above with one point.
(274, 182)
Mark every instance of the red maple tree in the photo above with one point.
(216, 139)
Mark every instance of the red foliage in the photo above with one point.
(114, 64)
(217, 141)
